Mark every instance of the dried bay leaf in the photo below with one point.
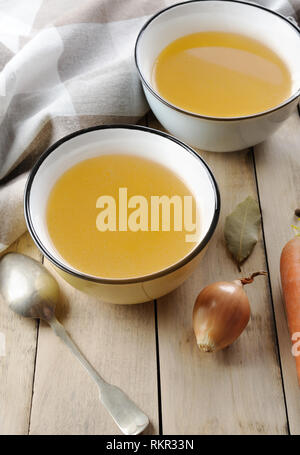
(242, 229)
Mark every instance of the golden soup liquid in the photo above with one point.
(71, 216)
(221, 75)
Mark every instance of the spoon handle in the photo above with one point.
(128, 416)
(61, 332)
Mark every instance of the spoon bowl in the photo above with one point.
(27, 287)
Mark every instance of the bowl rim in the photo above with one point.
(194, 114)
(64, 267)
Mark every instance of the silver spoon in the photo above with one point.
(31, 291)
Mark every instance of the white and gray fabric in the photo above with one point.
(66, 65)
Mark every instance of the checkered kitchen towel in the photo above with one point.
(65, 65)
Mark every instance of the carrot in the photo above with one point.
(290, 281)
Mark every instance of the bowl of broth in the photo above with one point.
(219, 75)
(123, 212)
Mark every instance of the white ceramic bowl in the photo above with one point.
(213, 133)
(122, 139)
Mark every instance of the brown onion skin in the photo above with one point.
(221, 313)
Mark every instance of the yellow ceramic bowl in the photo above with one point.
(122, 139)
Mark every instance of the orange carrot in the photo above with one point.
(290, 281)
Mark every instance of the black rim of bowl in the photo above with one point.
(194, 114)
(138, 279)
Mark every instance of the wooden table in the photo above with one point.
(149, 349)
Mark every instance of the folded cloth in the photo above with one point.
(66, 65)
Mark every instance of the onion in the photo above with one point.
(221, 313)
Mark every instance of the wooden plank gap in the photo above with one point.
(160, 421)
(270, 290)
(34, 371)
(35, 359)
